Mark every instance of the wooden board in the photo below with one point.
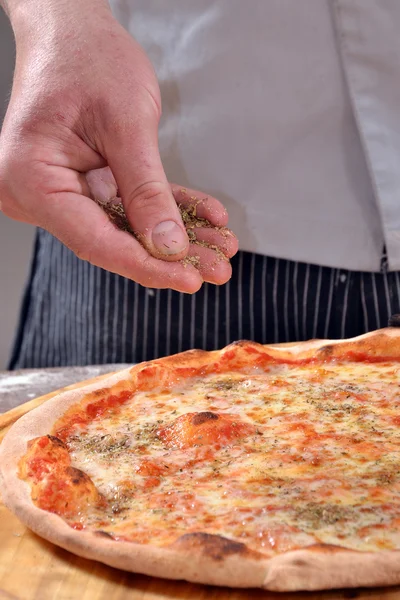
(34, 569)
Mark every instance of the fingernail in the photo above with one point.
(102, 184)
(169, 238)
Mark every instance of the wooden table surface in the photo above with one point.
(34, 569)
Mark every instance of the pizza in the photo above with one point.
(251, 466)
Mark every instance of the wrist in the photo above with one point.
(32, 17)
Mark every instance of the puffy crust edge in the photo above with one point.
(383, 343)
(193, 559)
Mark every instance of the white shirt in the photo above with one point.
(289, 112)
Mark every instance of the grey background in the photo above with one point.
(15, 238)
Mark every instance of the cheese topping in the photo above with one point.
(279, 458)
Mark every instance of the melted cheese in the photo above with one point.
(315, 459)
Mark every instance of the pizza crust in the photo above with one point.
(202, 558)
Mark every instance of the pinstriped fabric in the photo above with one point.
(105, 315)
(397, 278)
(32, 310)
(180, 326)
(76, 314)
(375, 297)
(227, 313)
(96, 348)
(240, 297)
(205, 318)
(216, 317)
(41, 347)
(286, 300)
(306, 303)
(168, 323)
(329, 304)
(317, 302)
(275, 305)
(145, 333)
(135, 311)
(156, 323)
(296, 301)
(263, 297)
(345, 304)
(193, 321)
(124, 324)
(80, 321)
(63, 340)
(56, 324)
(364, 305)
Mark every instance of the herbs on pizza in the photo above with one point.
(275, 454)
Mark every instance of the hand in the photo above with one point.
(84, 109)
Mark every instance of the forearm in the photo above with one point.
(11, 7)
(33, 15)
(51, 30)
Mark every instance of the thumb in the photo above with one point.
(132, 153)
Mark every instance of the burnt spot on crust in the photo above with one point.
(57, 442)
(101, 392)
(245, 343)
(214, 546)
(394, 321)
(104, 534)
(326, 350)
(303, 560)
(78, 477)
(203, 417)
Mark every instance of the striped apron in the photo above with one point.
(76, 314)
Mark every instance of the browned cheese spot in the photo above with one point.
(77, 476)
(203, 417)
(57, 442)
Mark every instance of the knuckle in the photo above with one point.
(152, 103)
(134, 108)
(147, 197)
(53, 109)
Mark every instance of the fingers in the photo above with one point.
(103, 188)
(102, 184)
(222, 239)
(212, 266)
(69, 213)
(84, 228)
(206, 207)
(132, 153)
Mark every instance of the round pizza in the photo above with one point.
(252, 466)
